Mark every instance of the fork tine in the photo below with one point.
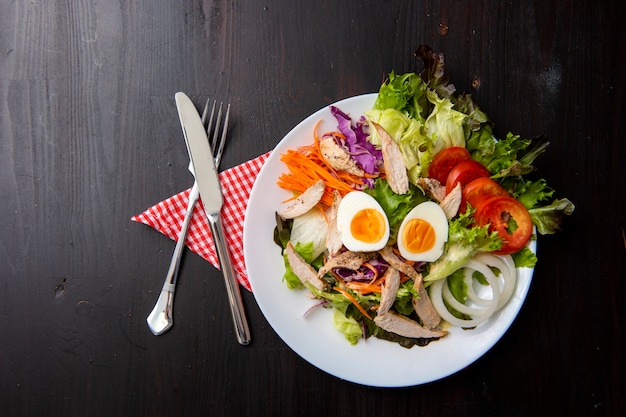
(220, 148)
(211, 119)
(205, 112)
(218, 122)
(217, 141)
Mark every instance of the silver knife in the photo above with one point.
(212, 200)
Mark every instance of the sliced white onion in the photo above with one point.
(480, 309)
(507, 277)
(470, 282)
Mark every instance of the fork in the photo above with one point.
(161, 318)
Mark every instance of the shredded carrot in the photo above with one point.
(363, 287)
(306, 166)
(373, 269)
(354, 301)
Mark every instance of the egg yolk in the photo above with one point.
(418, 236)
(368, 226)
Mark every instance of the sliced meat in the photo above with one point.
(389, 290)
(348, 260)
(397, 263)
(451, 203)
(338, 158)
(395, 170)
(433, 188)
(333, 237)
(403, 326)
(304, 271)
(424, 308)
(304, 202)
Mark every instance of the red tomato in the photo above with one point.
(465, 172)
(445, 160)
(509, 218)
(479, 190)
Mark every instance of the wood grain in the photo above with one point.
(89, 136)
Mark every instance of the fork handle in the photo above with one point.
(232, 287)
(172, 273)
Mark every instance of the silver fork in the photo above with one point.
(161, 318)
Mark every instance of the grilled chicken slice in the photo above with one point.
(433, 188)
(348, 260)
(395, 170)
(389, 290)
(403, 326)
(338, 158)
(333, 237)
(304, 271)
(451, 203)
(424, 308)
(304, 202)
(397, 263)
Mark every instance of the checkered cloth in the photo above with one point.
(167, 217)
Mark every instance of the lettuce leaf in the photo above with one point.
(464, 241)
(395, 206)
(348, 326)
(403, 93)
(548, 219)
(457, 286)
(531, 193)
(524, 258)
(433, 73)
(411, 136)
(444, 123)
(306, 251)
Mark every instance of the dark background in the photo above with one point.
(89, 136)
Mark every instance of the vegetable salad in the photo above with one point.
(413, 217)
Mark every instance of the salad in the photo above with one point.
(413, 217)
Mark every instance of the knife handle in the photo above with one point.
(232, 286)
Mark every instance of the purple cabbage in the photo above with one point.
(363, 152)
(363, 274)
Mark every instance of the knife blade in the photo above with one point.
(212, 200)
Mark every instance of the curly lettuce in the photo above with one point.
(464, 241)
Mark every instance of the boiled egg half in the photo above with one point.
(423, 233)
(362, 223)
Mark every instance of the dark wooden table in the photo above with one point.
(89, 136)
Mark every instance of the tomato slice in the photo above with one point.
(465, 172)
(509, 218)
(477, 191)
(445, 160)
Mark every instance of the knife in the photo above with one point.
(211, 195)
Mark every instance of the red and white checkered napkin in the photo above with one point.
(167, 217)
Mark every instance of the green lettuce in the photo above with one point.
(403, 93)
(411, 136)
(445, 124)
(395, 206)
(464, 241)
(534, 195)
(524, 258)
(306, 250)
(404, 298)
(531, 193)
(548, 218)
(348, 326)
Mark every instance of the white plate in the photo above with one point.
(371, 362)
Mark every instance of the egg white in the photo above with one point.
(350, 205)
(433, 214)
